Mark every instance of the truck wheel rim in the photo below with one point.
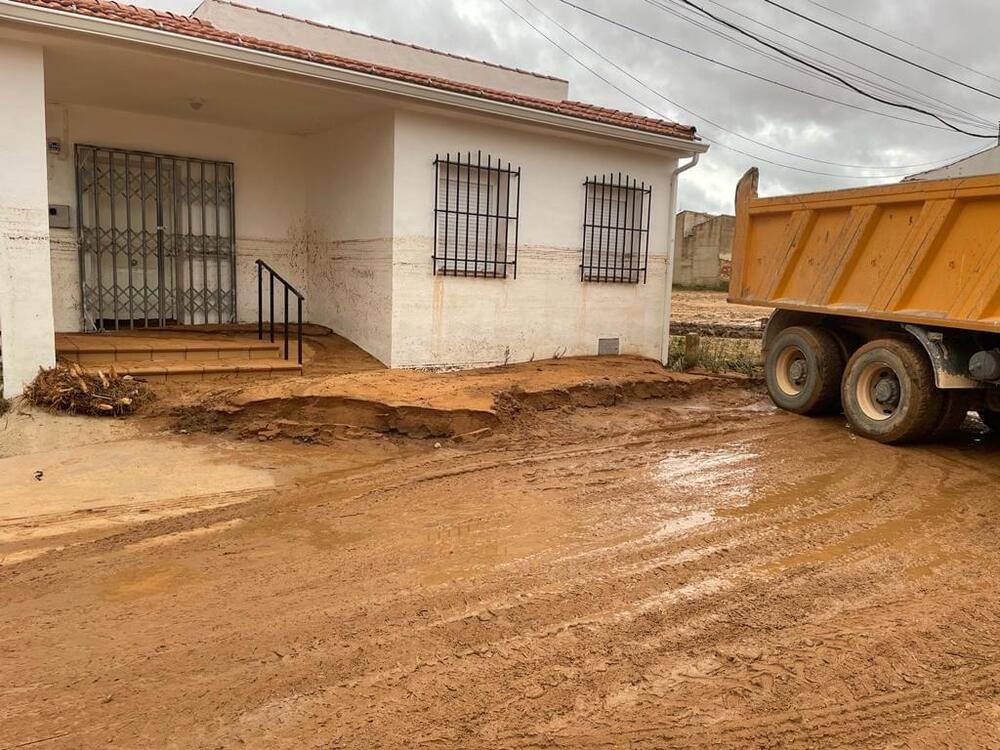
(792, 371)
(879, 392)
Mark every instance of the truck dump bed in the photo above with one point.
(915, 252)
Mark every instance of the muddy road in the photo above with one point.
(673, 573)
(710, 314)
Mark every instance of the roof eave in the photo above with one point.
(62, 20)
(320, 25)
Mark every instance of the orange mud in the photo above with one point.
(688, 571)
(431, 404)
(708, 313)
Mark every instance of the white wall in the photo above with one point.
(314, 36)
(546, 309)
(350, 237)
(318, 208)
(347, 216)
(985, 162)
(271, 221)
(26, 327)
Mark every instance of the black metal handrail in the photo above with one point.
(289, 290)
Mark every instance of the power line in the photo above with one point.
(748, 73)
(920, 98)
(678, 13)
(926, 97)
(681, 13)
(893, 55)
(662, 115)
(884, 33)
(832, 75)
(702, 117)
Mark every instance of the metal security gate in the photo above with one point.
(156, 236)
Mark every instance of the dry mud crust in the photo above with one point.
(435, 404)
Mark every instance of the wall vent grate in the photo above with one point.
(609, 346)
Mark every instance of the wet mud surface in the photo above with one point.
(684, 572)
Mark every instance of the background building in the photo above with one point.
(703, 249)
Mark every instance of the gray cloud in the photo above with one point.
(960, 29)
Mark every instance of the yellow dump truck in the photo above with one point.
(887, 301)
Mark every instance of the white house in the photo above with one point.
(434, 210)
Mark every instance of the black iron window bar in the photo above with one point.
(274, 278)
(615, 230)
(476, 207)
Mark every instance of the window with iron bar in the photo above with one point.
(615, 230)
(476, 206)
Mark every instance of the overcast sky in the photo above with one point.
(960, 30)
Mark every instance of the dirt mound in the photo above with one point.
(591, 394)
(312, 418)
(427, 404)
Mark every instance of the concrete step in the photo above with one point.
(95, 349)
(169, 370)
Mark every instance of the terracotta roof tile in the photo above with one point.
(194, 27)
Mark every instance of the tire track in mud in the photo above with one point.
(548, 458)
(373, 484)
(638, 603)
(641, 546)
(846, 724)
(890, 479)
(215, 517)
(492, 644)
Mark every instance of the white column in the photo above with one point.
(26, 326)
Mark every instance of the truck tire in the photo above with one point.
(889, 393)
(803, 369)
